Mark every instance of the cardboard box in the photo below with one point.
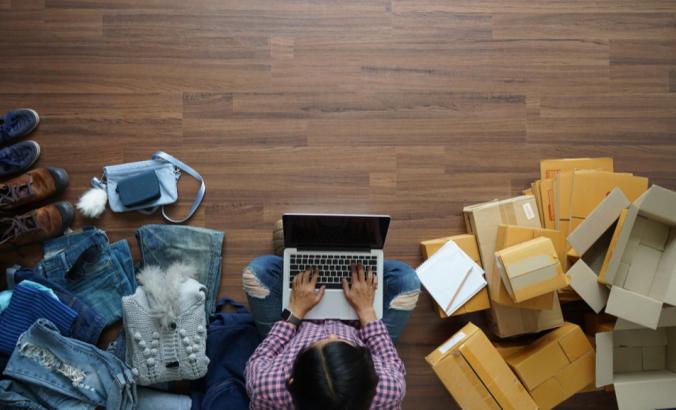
(507, 321)
(474, 373)
(548, 205)
(556, 366)
(594, 323)
(535, 191)
(643, 265)
(639, 362)
(467, 243)
(510, 235)
(483, 220)
(593, 239)
(563, 186)
(551, 167)
(591, 187)
(530, 269)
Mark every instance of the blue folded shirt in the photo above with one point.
(28, 304)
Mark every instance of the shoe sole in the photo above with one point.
(37, 119)
(37, 156)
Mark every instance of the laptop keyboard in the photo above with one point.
(332, 268)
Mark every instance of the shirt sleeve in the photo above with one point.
(265, 383)
(389, 367)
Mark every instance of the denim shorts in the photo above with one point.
(60, 372)
(200, 247)
(97, 272)
(87, 326)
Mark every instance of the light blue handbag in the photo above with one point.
(168, 170)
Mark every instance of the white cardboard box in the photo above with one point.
(640, 362)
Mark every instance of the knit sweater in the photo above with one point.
(160, 350)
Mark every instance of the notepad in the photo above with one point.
(451, 277)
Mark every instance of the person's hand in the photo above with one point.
(362, 293)
(304, 295)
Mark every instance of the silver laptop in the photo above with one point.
(332, 243)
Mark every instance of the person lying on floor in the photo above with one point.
(327, 364)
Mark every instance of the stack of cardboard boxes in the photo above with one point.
(582, 231)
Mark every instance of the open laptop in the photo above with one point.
(331, 243)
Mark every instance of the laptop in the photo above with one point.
(332, 243)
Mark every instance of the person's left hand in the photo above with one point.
(304, 295)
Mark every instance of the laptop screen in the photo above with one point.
(314, 231)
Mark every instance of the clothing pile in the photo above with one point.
(54, 313)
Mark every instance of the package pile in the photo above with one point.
(584, 232)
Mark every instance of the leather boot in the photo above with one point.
(33, 186)
(36, 225)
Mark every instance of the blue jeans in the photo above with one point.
(59, 372)
(97, 272)
(163, 245)
(402, 288)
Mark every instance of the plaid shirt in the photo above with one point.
(270, 365)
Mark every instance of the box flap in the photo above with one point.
(538, 363)
(659, 204)
(509, 321)
(584, 281)
(575, 344)
(598, 221)
(614, 272)
(591, 187)
(646, 390)
(445, 349)
(667, 319)
(604, 359)
(634, 307)
(551, 167)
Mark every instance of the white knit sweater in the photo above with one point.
(163, 348)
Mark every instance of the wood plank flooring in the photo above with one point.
(408, 107)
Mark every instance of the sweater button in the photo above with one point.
(173, 325)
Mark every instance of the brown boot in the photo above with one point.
(36, 225)
(32, 186)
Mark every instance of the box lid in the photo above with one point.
(598, 221)
(591, 187)
(585, 282)
(551, 167)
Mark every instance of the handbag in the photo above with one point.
(166, 170)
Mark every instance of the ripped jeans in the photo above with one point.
(262, 280)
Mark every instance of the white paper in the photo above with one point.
(443, 273)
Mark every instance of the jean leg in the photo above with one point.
(402, 288)
(262, 282)
(122, 253)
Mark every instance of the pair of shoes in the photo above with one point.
(38, 224)
(21, 156)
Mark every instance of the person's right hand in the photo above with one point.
(362, 293)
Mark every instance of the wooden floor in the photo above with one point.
(408, 107)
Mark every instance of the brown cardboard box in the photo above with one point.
(535, 191)
(563, 185)
(548, 204)
(642, 268)
(475, 374)
(510, 235)
(596, 323)
(483, 220)
(591, 187)
(530, 269)
(467, 243)
(639, 362)
(556, 366)
(592, 240)
(551, 167)
(509, 321)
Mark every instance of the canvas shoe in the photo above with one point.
(18, 123)
(18, 157)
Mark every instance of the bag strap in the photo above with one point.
(183, 167)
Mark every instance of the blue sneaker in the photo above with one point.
(18, 123)
(18, 157)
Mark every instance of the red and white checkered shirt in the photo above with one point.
(270, 365)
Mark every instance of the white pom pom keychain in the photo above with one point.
(93, 203)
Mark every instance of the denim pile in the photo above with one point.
(54, 314)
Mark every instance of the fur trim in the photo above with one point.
(163, 289)
(93, 203)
